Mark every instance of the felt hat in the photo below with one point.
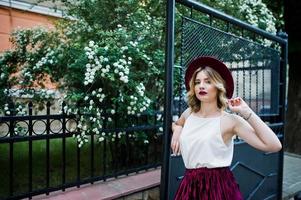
(218, 66)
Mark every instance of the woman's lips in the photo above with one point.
(202, 93)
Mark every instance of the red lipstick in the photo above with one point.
(202, 93)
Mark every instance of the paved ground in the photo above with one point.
(291, 183)
(291, 175)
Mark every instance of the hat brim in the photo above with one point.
(215, 64)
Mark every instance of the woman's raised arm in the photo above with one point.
(252, 129)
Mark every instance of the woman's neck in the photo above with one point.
(209, 109)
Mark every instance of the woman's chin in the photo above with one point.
(202, 98)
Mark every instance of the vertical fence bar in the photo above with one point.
(244, 73)
(257, 72)
(63, 146)
(30, 130)
(127, 149)
(282, 101)
(148, 132)
(262, 106)
(78, 150)
(78, 164)
(250, 84)
(237, 80)
(181, 70)
(104, 152)
(92, 155)
(47, 146)
(11, 153)
(156, 136)
(169, 64)
(115, 152)
(127, 144)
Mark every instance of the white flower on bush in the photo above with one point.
(124, 48)
(91, 44)
(134, 44)
(94, 63)
(140, 89)
(6, 107)
(49, 58)
(121, 70)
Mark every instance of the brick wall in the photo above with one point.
(11, 19)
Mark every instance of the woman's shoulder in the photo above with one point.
(232, 119)
(229, 117)
(228, 122)
(187, 113)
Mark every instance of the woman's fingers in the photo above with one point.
(235, 101)
(175, 146)
(177, 149)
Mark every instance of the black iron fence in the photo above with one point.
(40, 153)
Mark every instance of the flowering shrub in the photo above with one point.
(111, 69)
(254, 12)
(257, 13)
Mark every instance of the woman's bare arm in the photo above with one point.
(253, 130)
(177, 129)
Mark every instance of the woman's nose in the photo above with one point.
(201, 85)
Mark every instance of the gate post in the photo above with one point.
(282, 102)
(169, 63)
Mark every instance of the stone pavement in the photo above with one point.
(291, 176)
(291, 184)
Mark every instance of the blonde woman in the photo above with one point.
(204, 132)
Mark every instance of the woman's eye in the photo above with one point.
(196, 83)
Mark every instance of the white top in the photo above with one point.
(202, 145)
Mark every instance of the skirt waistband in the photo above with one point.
(206, 169)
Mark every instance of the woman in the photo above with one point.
(204, 133)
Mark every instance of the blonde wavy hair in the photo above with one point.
(194, 103)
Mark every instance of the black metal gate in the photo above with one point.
(258, 62)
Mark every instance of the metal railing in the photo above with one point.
(40, 155)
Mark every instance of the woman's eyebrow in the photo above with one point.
(197, 79)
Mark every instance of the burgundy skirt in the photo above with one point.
(208, 184)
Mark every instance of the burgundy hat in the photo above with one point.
(215, 64)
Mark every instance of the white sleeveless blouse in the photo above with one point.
(202, 145)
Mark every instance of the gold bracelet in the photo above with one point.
(247, 118)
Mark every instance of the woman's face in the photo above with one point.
(204, 89)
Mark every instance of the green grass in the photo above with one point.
(21, 163)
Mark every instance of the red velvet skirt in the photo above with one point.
(208, 184)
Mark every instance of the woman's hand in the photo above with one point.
(175, 143)
(238, 105)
